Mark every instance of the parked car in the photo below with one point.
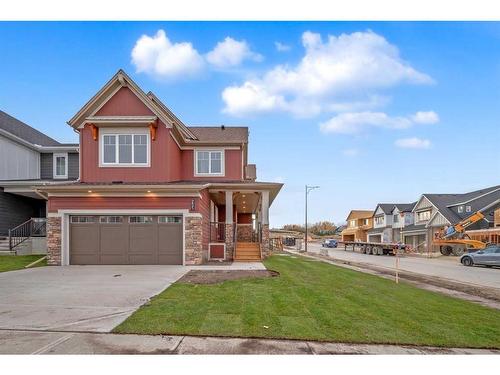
(329, 243)
(490, 256)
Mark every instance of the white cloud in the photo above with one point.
(414, 142)
(350, 152)
(158, 56)
(281, 47)
(230, 53)
(356, 122)
(246, 99)
(426, 117)
(351, 123)
(344, 65)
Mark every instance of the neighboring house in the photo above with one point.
(388, 220)
(358, 224)
(434, 211)
(29, 158)
(402, 216)
(155, 191)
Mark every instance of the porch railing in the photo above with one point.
(34, 227)
(247, 233)
(217, 232)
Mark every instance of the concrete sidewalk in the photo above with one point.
(38, 342)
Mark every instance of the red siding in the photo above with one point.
(233, 170)
(100, 202)
(168, 162)
(124, 103)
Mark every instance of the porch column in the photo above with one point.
(264, 217)
(229, 226)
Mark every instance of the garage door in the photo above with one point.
(139, 239)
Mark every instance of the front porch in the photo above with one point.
(239, 225)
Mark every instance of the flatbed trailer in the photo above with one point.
(376, 248)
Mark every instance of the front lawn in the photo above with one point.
(317, 301)
(17, 262)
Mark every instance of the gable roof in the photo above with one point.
(232, 134)
(360, 214)
(188, 134)
(119, 80)
(385, 207)
(405, 207)
(24, 131)
(479, 199)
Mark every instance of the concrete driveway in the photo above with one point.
(79, 298)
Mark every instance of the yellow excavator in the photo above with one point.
(454, 240)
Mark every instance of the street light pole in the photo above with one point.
(308, 189)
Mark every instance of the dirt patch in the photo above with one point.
(219, 276)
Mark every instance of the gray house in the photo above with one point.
(434, 211)
(29, 158)
(388, 221)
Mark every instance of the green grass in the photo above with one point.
(318, 301)
(13, 262)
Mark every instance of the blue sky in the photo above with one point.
(377, 112)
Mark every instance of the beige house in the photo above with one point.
(358, 224)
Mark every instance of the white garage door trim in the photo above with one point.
(65, 214)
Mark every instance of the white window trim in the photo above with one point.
(54, 165)
(124, 131)
(223, 163)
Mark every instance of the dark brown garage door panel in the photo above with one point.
(143, 243)
(84, 243)
(126, 240)
(170, 241)
(113, 243)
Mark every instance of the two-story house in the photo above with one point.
(155, 191)
(432, 212)
(388, 220)
(358, 224)
(402, 216)
(29, 158)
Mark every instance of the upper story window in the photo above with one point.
(423, 215)
(366, 221)
(209, 163)
(379, 220)
(468, 208)
(127, 149)
(352, 223)
(395, 218)
(60, 162)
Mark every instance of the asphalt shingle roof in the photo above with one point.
(236, 134)
(24, 131)
(447, 203)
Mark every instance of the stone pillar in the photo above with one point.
(229, 226)
(229, 241)
(266, 251)
(54, 241)
(193, 240)
(264, 219)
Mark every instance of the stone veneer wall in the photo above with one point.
(229, 242)
(194, 253)
(244, 232)
(54, 241)
(266, 251)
